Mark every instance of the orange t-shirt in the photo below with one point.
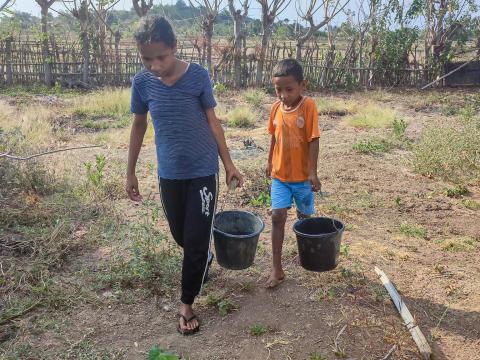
(293, 131)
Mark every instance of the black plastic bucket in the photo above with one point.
(235, 235)
(318, 242)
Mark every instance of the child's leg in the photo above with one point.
(197, 232)
(173, 195)
(281, 201)
(279, 218)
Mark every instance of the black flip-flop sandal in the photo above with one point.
(187, 331)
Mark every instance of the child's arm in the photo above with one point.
(230, 169)
(268, 170)
(312, 165)
(137, 133)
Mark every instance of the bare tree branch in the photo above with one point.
(5, 4)
(142, 8)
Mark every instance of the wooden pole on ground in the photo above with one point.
(407, 317)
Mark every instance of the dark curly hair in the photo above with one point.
(155, 29)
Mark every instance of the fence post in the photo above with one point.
(117, 57)
(8, 58)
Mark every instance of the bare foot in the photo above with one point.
(275, 279)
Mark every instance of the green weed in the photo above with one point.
(95, 173)
(371, 146)
(225, 307)
(399, 127)
(379, 293)
(316, 356)
(328, 294)
(412, 230)
(457, 191)
(247, 286)
(147, 263)
(213, 299)
(458, 244)
(345, 250)
(471, 204)
(157, 353)
(262, 200)
(258, 329)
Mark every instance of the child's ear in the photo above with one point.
(304, 84)
(174, 47)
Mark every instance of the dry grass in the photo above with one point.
(108, 103)
(242, 117)
(7, 115)
(449, 149)
(335, 107)
(372, 115)
(28, 128)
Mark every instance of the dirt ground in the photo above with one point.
(344, 313)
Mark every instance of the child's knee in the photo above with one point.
(279, 216)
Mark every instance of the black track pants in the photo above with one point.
(190, 208)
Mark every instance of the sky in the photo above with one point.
(32, 7)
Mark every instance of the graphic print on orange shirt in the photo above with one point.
(293, 131)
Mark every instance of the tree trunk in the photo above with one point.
(8, 59)
(478, 36)
(208, 33)
(237, 51)
(85, 54)
(102, 36)
(47, 61)
(263, 51)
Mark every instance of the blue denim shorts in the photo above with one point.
(283, 194)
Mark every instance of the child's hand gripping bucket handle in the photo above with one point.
(231, 187)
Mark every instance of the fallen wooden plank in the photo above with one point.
(407, 317)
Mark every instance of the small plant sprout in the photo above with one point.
(258, 329)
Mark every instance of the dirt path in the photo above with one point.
(344, 313)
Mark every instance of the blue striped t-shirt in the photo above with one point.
(186, 148)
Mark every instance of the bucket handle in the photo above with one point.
(233, 185)
(325, 215)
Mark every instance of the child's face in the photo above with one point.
(288, 89)
(158, 58)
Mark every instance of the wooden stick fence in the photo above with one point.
(22, 63)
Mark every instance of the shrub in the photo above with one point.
(241, 117)
(254, 97)
(219, 89)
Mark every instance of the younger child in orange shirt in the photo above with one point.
(293, 156)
